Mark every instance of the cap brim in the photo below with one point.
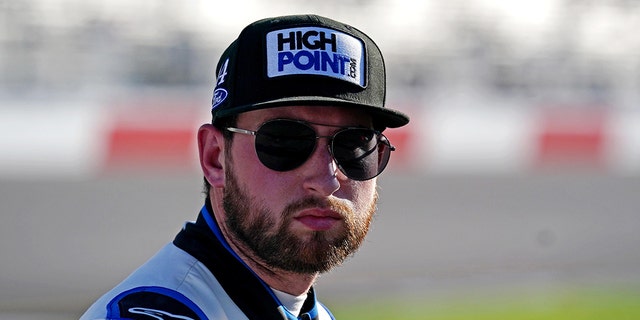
(382, 117)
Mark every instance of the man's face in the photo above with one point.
(306, 220)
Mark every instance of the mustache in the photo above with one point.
(344, 210)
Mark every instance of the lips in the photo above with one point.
(318, 219)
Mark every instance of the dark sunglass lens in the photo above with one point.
(361, 153)
(284, 145)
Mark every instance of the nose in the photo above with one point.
(321, 171)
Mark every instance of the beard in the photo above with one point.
(278, 246)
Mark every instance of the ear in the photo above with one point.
(211, 151)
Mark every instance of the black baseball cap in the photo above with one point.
(302, 60)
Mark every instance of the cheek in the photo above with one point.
(363, 194)
(262, 184)
(245, 162)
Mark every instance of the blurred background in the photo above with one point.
(515, 190)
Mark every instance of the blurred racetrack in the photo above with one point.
(64, 242)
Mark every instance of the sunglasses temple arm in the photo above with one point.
(369, 152)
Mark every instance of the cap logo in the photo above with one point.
(220, 94)
(315, 51)
(222, 73)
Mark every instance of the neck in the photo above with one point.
(282, 280)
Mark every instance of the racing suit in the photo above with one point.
(198, 276)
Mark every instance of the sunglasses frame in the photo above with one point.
(380, 137)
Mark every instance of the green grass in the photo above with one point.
(566, 304)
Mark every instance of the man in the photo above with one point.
(290, 162)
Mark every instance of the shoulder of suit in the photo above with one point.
(153, 303)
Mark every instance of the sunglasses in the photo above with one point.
(285, 144)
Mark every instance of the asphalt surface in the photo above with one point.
(63, 243)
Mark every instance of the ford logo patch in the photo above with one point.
(219, 95)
